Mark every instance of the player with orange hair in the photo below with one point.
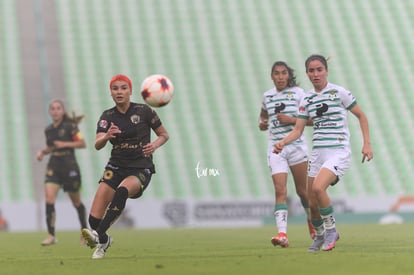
(127, 126)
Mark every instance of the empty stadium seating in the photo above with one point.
(219, 54)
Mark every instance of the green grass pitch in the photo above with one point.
(362, 249)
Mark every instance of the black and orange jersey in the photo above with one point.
(135, 126)
(63, 167)
(67, 130)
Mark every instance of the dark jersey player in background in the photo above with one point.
(62, 137)
(127, 126)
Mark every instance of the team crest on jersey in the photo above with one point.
(289, 95)
(61, 132)
(135, 119)
(333, 95)
(103, 124)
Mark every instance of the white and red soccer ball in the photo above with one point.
(157, 90)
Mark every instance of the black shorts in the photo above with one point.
(68, 177)
(114, 175)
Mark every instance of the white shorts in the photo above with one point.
(337, 160)
(290, 155)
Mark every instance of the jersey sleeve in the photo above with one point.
(264, 108)
(300, 95)
(76, 133)
(303, 110)
(347, 98)
(103, 124)
(153, 119)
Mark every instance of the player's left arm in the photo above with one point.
(162, 137)
(77, 142)
(287, 119)
(363, 122)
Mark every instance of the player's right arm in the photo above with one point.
(263, 120)
(293, 135)
(102, 137)
(41, 153)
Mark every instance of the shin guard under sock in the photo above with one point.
(50, 218)
(82, 215)
(94, 222)
(112, 213)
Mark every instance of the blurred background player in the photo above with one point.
(327, 105)
(127, 126)
(62, 137)
(278, 115)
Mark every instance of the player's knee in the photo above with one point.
(281, 190)
(302, 194)
(318, 190)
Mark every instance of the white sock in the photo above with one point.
(281, 220)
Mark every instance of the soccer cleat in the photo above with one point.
(50, 240)
(82, 240)
(317, 243)
(101, 249)
(312, 231)
(91, 237)
(330, 240)
(280, 239)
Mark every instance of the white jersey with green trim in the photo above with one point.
(328, 110)
(285, 102)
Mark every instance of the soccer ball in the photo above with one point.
(157, 90)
